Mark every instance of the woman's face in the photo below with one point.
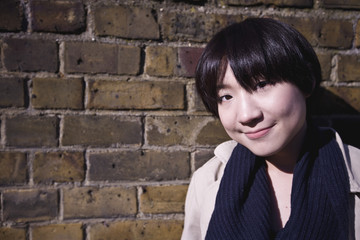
(268, 121)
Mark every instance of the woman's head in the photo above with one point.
(257, 49)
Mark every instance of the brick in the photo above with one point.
(23, 205)
(146, 165)
(194, 101)
(11, 15)
(351, 95)
(126, 22)
(57, 93)
(348, 129)
(8, 233)
(290, 3)
(347, 4)
(92, 202)
(30, 55)
(104, 94)
(31, 131)
(101, 130)
(357, 35)
(348, 68)
(244, 2)
(13, 168)
(137, 229)
(325, 63)
(57, 16)
(184, 130)
(212, 133)
(188, 59)
(51, 167)
(12, 92)
(199, 105)
(198, 27)
(163, 199)
(160, 60)
(71, 231)
(324, 33)
(201, 156)
(337, 100)
(92, 57)
(336, 33)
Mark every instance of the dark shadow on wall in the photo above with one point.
(341, 113)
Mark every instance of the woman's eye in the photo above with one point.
(261, 85)
(225, 98)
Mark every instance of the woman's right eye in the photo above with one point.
(225, 98)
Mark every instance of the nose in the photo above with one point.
(248, 112)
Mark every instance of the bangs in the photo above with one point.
(257, 50)
(258, 55)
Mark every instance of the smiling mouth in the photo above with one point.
(258, 134)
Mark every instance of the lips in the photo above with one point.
(258, 133)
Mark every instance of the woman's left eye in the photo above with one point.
(261, 85)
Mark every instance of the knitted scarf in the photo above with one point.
(319, 197)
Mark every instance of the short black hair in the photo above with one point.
(257, 49)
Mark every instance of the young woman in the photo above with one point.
(280, 177)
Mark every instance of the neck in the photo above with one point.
(285, 160)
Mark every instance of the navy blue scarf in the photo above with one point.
(319, 197)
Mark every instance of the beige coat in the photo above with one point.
(200, 199)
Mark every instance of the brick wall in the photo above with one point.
(101, 127)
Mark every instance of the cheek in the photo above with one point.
(292, 105)
(226, 119)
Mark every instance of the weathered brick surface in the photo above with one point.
(202, 156)
(30, 205)
(357, 34)
(71, 231)
(11, 15)
(163, 199)
(31, 131)
(325, 62)
(13, 168)
(91, 57)
(292, 3)
(197, 27)
(92, 202)
(160, 60)
(337, 100)
(183, 130)
(58, 167)
(139, 165)
(354, 4)
(198, 103)
(324, 33)
(140, 229)
(57, 93)
(101, 130)
(348, 69)
(12, 92)
(136, 95)
(30, 55)
(351, 96)
(188, 59)
(212, 133)
(7, 233)
(58, 16)
(126, 22)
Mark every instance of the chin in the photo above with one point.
(263, 149)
